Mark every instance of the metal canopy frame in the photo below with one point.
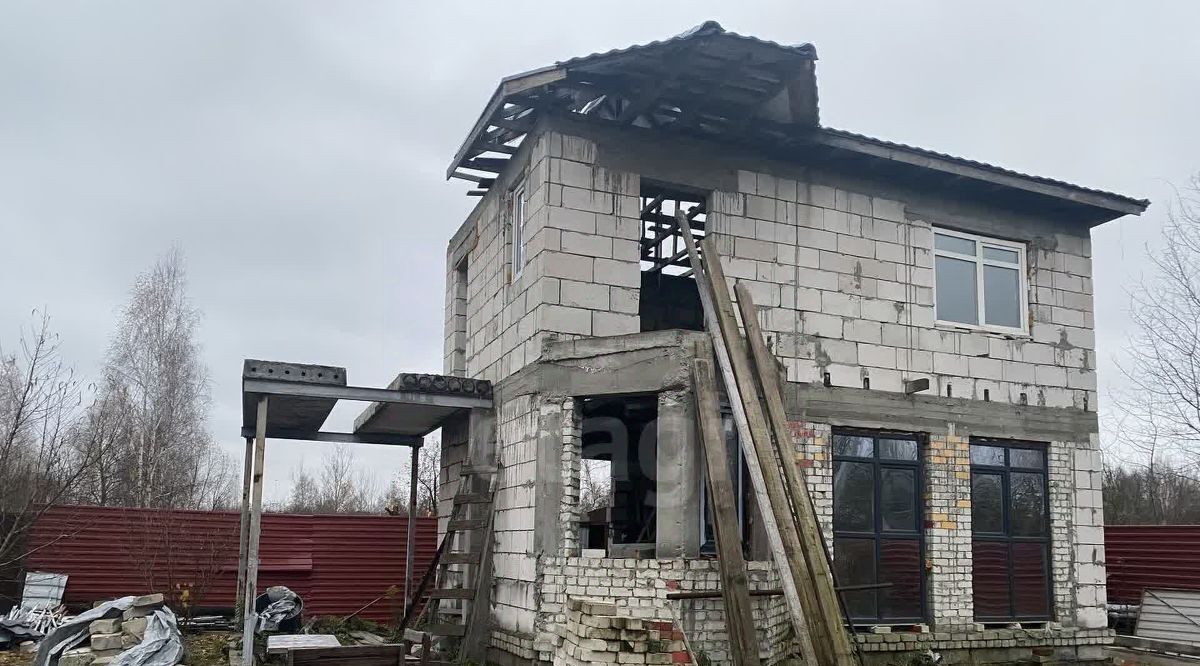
(303, 396)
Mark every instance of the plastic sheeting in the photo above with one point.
(162, 644)
(75, 630)
(283, 605)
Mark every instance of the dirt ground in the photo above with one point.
(205, 648)
(15, 658)
(202, 649)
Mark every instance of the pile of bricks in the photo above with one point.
(110, 637)
(595, 634)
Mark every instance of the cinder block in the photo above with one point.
(861, 330)
(616, 273)
(614, 323)
(76, 658)
(109, 626)
(135, 627)
(856, 246)
(584, 295)
(589, 245)
(760, 208)
(106, 642)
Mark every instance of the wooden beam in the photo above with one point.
(810, 530)
(244, 526)
(497, 148)
(763, 448)
(508, 88)
(492, 164)
(249, 616)
(410, 536)
(741, 410)
(481, 181)
(731, 563)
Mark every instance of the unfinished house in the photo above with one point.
(932, 316)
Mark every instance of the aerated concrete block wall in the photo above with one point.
(842, 272)
(844, 283)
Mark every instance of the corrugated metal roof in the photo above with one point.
(980, 165)
(708, 28)
(336, 563)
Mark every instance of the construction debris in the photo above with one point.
(130, 631)
(278, 608)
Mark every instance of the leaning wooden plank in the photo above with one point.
(731, 564)
(774, 537)
(810, 529)
(779, 502)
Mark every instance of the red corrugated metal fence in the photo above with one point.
(337, 563)
(1141, 556)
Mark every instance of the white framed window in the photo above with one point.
(517, 220)
(979, 282)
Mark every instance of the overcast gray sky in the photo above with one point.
(295, 150)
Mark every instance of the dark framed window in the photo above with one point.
(1010, 524)
(877, 524)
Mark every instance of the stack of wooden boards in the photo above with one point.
(753, 387)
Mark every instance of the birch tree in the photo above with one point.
(152, 419)
(1159, 412)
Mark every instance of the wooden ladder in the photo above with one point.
(471, 515)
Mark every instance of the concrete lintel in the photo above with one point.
(623, 364)
(865, 408)
(577, 348)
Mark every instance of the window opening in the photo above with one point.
(517, 221)
(979, 282)
(877, 524)
(458, 357)
(669, 298)
(595, 502)
(622, 430)
(1010, 524)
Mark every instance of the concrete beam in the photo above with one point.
(864, 408)
(679, 477)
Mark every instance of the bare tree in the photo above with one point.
(1160, 411)
(429, 470)
(152, 418)
(595, 484)
(338, 487)
(40, 404)
(1156, 494)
